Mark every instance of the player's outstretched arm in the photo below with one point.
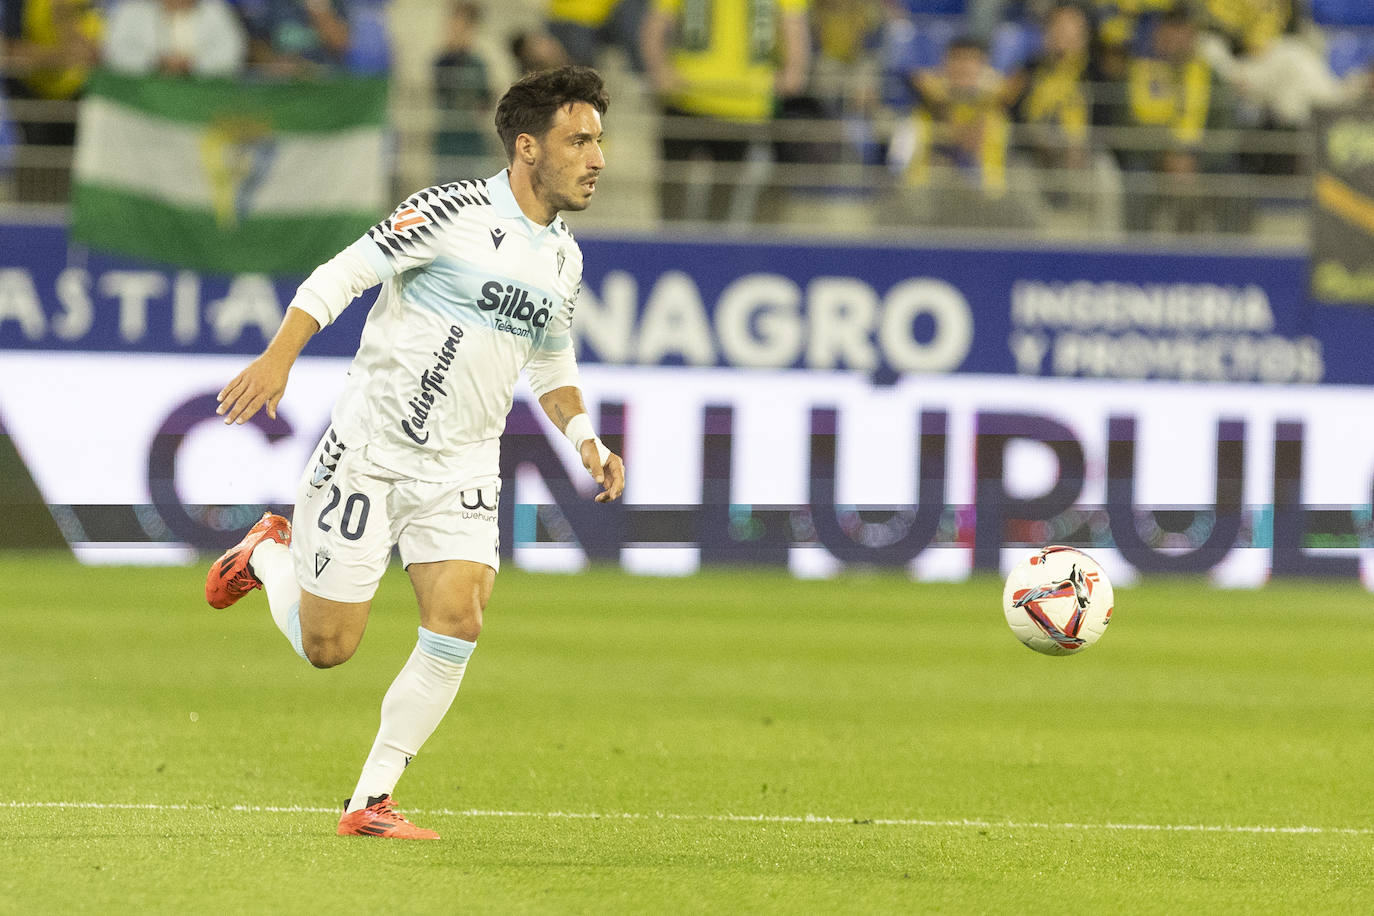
(565, 408)
(263, 381)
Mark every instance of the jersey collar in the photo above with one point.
(504, 203)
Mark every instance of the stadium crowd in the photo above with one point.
(1147, 114)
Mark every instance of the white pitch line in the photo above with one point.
(727, 818)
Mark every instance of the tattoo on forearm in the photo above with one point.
(562, 419)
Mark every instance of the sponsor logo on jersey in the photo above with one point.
(431, 388)
(513, 302)
(477, 499)
(408, 218)
(480, 504)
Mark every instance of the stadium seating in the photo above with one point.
(1343, 12)
(370, 49)
(1012, 45)
(1348, 50)
(934, 7)
(8, 140)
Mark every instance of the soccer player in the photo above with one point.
(480, 279)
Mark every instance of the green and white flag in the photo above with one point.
(229, 177)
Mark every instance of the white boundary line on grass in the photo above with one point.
(728, 818)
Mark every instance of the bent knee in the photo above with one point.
(331, 630)
(464, 622)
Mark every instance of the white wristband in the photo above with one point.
(579, 430)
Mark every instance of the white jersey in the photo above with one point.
(473, 292)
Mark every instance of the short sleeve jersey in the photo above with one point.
(472, 293)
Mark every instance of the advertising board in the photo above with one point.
(812, 470)
(878, 310)
(814, 406)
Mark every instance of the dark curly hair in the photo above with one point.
(529, 106)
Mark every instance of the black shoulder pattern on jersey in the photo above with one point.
(415, 221)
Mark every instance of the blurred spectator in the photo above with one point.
(300, 38)
(952, 152)
(1119, 27)
(1057, 101)
(536, 50)
(586, 27)
(175, 38)
(463, 92)
(845, 29)
(1283, 79)
(1279, 83)
(726, 65)
(1171, 93)
(1054, 93)
(844, 34)
(1248, 25)
(847, 36)
(50, 47)
(961, 122)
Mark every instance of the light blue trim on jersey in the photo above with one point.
(504, 203)
(450, 287)
(502, 197)
(449, 648)
(376, 259)
(444, 288)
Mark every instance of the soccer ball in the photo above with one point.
(1058, 601)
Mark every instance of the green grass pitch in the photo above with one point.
(729, 742)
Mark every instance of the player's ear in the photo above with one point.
(527, 149)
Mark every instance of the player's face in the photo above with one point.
(570, 159)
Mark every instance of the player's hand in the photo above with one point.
(611, 475)
(261, 384)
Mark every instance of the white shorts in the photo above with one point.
(351, 512)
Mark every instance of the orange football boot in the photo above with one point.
(381, 819)
(230, 577)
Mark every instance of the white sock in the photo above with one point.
(272, 564)
(411, 710)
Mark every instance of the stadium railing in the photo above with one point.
(833, 177)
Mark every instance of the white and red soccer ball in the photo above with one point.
(1058, 601)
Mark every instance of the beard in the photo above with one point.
(560, 191)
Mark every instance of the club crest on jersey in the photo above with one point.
(498, 235)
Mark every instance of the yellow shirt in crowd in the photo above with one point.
(726, 54)
(1058, 96)
(40, 28)
(1176, 97)
(590, 13)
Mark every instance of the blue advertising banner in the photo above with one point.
(881, 310)
(56, 296)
